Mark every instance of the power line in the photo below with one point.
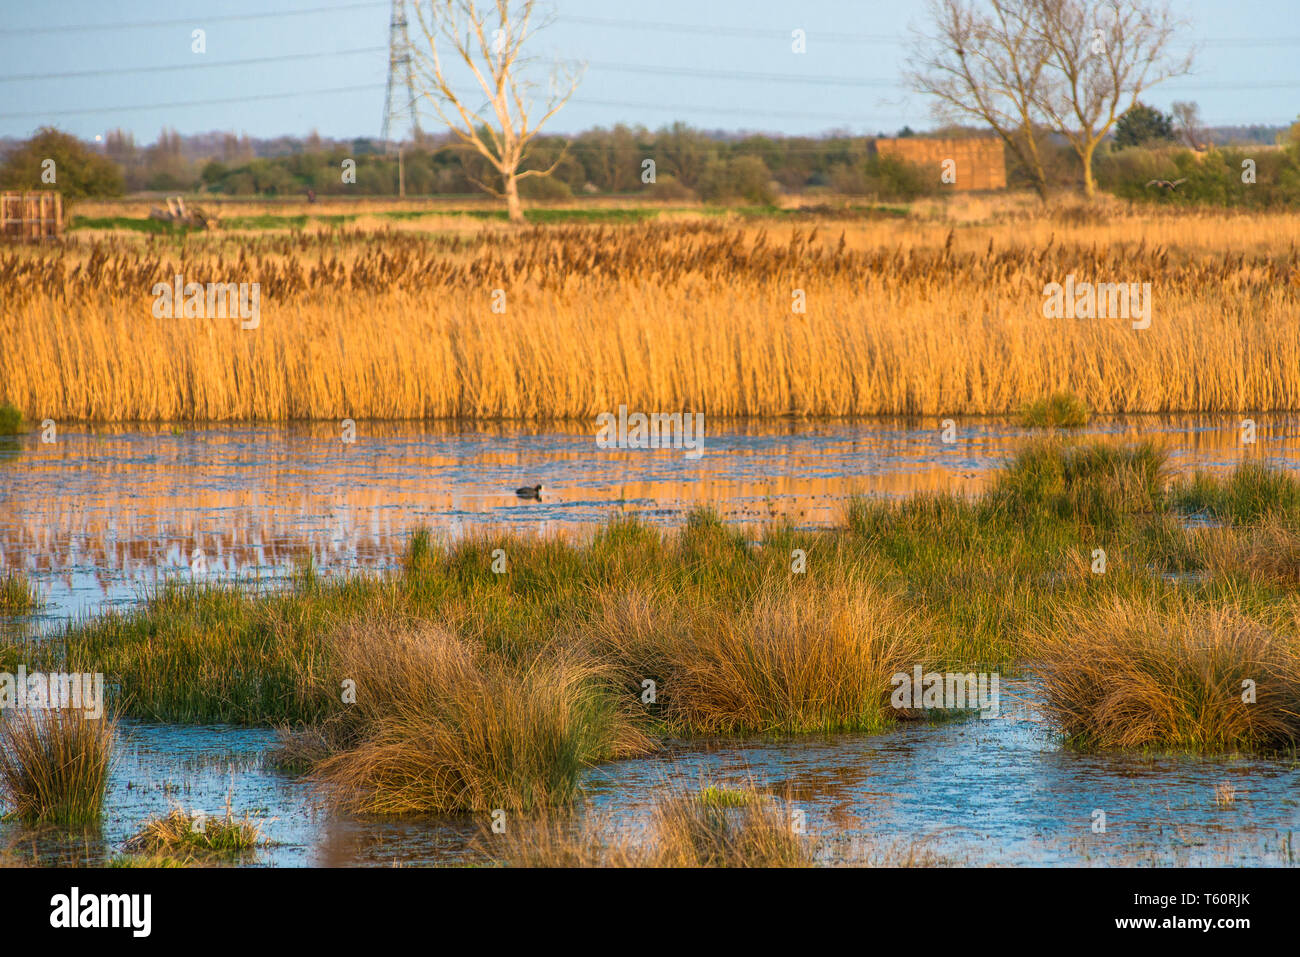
(704, 30)
(737, 111)
(188, 103)
(1248, 41)
(695, 108)
(190, 21)
(741, 75)
(709, 30)
(615, 67)
(747, 76)
(663, 107)
(1175, 88)
(696, 29)
(199, 65)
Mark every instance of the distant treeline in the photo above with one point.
(687, 164)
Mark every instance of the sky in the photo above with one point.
(88, 66)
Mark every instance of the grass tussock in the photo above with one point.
(54, 765)
(795, 660)
(1267, 554)
(686, 829)
(756, 832)
(724, 797)
(1093, 484)
(1060, 410)
(180, 837)
(438, 726)
(207, 654)
(1251, 493)
(17, 594)
(1177, 675)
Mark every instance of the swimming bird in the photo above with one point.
(1166, 184)
(530, 491)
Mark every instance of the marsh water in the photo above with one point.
(976, 792)
(100, 515)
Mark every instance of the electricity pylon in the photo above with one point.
(401, 72)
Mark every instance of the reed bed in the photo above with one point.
(695, 315)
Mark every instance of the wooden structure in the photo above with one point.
(980, 160)
(31, 216)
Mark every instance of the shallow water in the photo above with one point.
(973, 792)
(101, 515)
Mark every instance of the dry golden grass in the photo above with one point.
(54, 765)
(687, 829)
(182, 836)
(438, 726)
(1134, 673)
(903, 316)
(1267, 553)
(796, 659)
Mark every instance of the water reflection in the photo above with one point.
(105, 512)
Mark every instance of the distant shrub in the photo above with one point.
(1061, 410)
(1211, 178)
(739, 178)
(670, 188)
(544, 188)
(79, 170)
(884, 176)
(1143, 124)
(11, 420)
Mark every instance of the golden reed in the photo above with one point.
(901, 318)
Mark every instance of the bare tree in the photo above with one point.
(486, 41)
(1072, 66)
(1101, 56)
(986, 66)
(1187, 122)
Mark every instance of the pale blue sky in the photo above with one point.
(644, 60)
